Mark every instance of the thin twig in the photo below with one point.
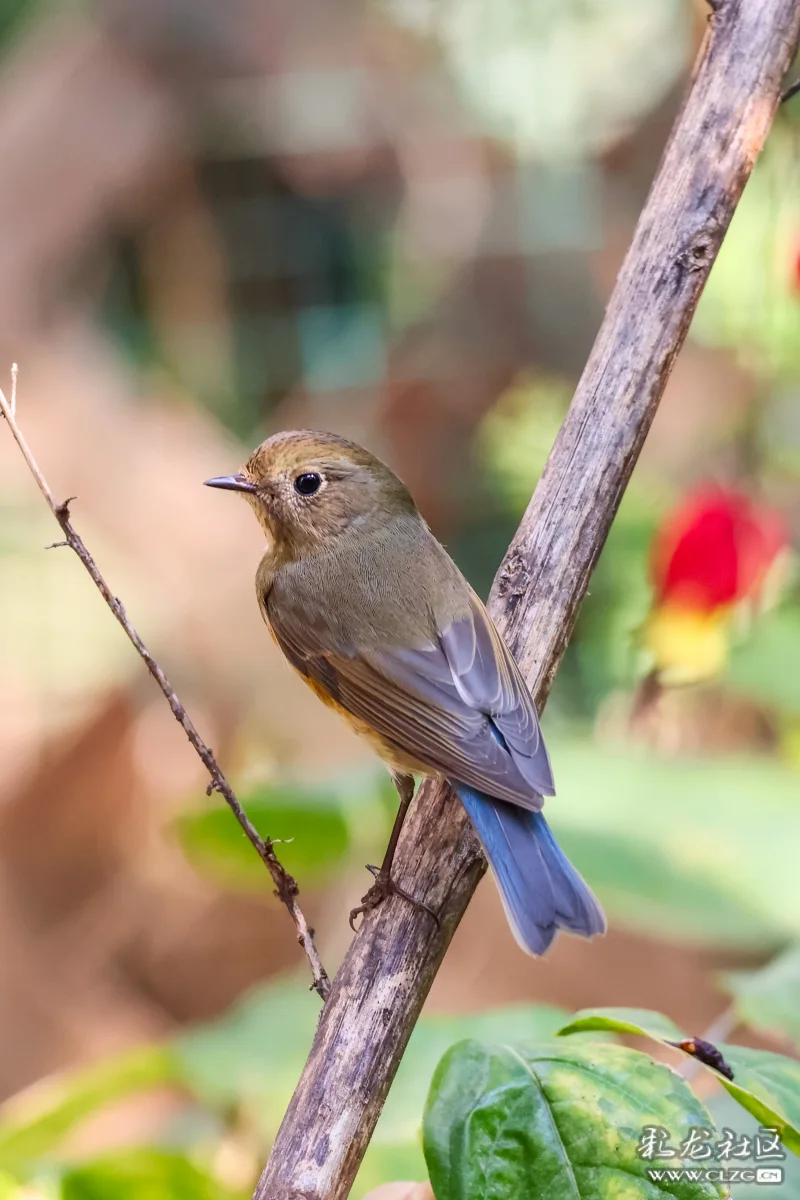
(285, 886)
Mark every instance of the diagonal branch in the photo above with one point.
(285, 886)
(377, 994)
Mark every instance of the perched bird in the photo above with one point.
(379, 621)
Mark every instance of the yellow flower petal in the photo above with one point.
(687, 645)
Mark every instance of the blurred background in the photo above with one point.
(399, 221)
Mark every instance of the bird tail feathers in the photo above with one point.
(540, 889)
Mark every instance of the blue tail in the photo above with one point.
(540, 888)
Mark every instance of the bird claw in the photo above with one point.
(385, 886)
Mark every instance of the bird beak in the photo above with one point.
(232, 483)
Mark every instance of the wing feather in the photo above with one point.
(443, 704)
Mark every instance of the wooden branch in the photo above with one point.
(380, 988)
(285, 886)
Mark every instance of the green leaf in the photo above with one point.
(703, 849)
(506, 1121)
(395, 1151)
(34, 1123)
(770, 998)
(142, 1174)
(312, 826)
(766, 1085)
(623, 1020)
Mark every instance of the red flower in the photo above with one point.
(712, 554)
(715, 550)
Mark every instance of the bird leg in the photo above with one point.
(384, 885)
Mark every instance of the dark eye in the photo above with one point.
(308, 483)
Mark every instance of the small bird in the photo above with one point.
(376, 617)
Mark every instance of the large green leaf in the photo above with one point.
(700, 848)
(766, 1085)
(770, 998)
(507, 1121)
(33, 1124)
(395, 1151)
(142, 1174)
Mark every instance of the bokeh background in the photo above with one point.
(398, 220)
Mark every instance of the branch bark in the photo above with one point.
(380, 988)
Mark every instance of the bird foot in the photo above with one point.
(385, 886)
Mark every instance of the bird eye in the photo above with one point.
(308, 483)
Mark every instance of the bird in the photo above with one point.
(375, 616)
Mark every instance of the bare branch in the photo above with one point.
(285, 886)
(377, 994)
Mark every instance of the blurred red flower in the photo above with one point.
(711, 555)
(715, 549)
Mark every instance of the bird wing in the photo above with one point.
(443, 704)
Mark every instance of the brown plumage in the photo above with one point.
(373, 613)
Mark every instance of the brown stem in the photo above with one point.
(379, 990)
(285, 886)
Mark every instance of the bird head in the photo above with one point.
(308, 489)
